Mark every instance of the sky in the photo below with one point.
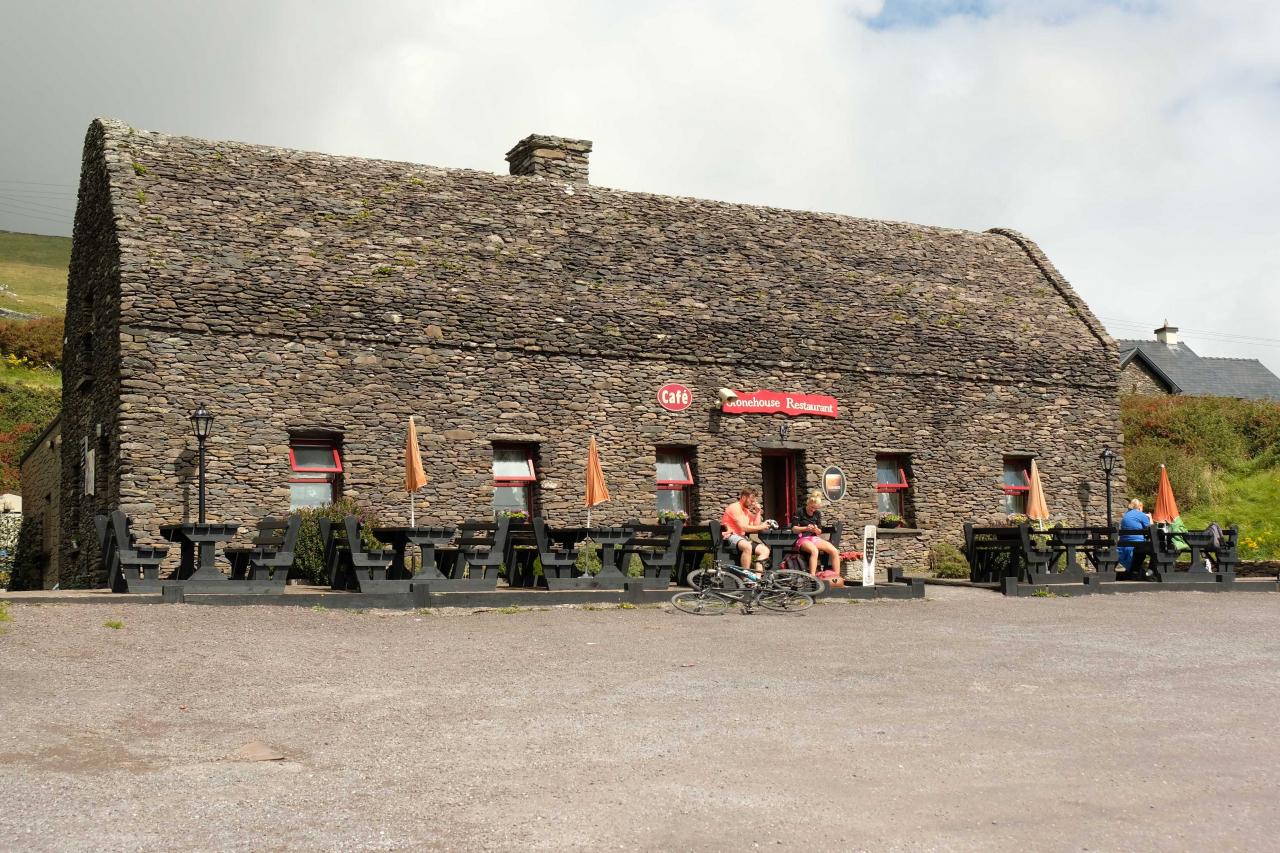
(1137, 142)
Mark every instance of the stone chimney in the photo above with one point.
(552, 157)
(1167, 335)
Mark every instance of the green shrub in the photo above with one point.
(588, 560)
(1189, 475)
(1220, 431)
(308, 563)
(946, 561)
(635, 566)
(39, 341)
(26, 568)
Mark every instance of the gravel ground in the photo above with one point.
(968, 721)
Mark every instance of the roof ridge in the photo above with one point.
(122, 129)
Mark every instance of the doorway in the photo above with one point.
(781, 486)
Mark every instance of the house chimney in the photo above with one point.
(1167, 335)
(552, 157)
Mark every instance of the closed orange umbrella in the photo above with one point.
(597, 491)
(414, 477)
(1166, 507)
(1036, 506)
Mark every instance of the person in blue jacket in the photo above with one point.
(1133, 528)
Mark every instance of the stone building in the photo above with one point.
(41, 471)
(313, 303)
(1168, 366)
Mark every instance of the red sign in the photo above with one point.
(674, 397)
(782, 403)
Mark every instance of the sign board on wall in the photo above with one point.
(674, 397)
(766, 402)
(833, 483)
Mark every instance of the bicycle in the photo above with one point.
(725, 575)
(711, 601)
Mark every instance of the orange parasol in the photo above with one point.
(414, 477)
(597, 491)
(1166, 507)
(1036, 507)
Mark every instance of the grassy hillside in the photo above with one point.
(33, 273)
(1223, 459)
(33, 280)
(24, 413)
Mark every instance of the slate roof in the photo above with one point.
(225, 238)
(1189, 373)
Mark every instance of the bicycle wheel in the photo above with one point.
(713, 579)
(700, 603)
(794, 581)
(785, 601)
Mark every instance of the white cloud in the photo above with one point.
(1133, 141)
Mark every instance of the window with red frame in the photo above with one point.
(514, 479)
(891, 485)
(673, 471)
(1015, 482)
(316, 473)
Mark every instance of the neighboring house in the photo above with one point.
(314, 302)
(1168, 366)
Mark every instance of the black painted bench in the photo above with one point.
(1041, 556)
(994, 553)
(351, 566)
(1155, 556)
(481, 550)
(1223, 557)
(128, 567)
(559, 558)
(271, 555)
(658, 548)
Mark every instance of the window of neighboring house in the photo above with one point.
(891, 484)
(1015, 482)
(315, 473)
(514, 478)
(674, 473)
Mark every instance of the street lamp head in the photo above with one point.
(201, 422)
(1108, 460)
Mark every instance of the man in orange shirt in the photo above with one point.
(741, 518)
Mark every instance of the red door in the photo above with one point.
(780, 476)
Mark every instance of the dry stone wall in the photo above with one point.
(42, 494)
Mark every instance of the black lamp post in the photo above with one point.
(1108, 465)
(201, 423)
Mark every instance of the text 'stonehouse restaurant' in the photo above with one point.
(313, 303)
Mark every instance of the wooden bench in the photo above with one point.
(1223, 558)
(658, 547)
(270, 557)
(1158, 553)
(1099, 545)
(128, 568)
(481, 549)
(351, 566)
(559, 560)
(519, 554)
(994, 553)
